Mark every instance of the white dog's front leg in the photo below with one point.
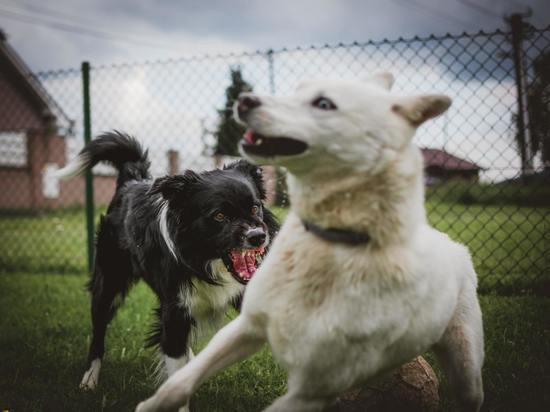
(236, 341)
(172, 365)
(295, 402)
(461, 354)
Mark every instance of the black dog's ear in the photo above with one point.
(252, 171)
(173, 188)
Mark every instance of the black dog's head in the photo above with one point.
(219, 214)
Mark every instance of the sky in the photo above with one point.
(174, 106)
(53, 35)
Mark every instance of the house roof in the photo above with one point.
(445, 160)
(29, 84)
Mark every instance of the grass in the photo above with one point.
(49, 242)
(518, 193)
(509, 243)
(45, 327)
(45, 332)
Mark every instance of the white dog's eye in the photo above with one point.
(323, 103)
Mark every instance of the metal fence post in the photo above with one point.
(89, 190)
(524, 141)
(501, 217)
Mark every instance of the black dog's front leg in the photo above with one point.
(172, 334)
(176, 327)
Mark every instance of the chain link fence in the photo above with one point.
(487, 160)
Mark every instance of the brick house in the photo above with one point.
(33, 139)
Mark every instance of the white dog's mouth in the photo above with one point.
(256, 144)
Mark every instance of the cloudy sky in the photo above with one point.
(174, 106)
(51, 35)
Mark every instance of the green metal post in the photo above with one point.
(88, 176)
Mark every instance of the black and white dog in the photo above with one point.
(196, 239)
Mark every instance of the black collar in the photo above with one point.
(348, 237)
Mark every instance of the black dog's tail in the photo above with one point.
(119, 149)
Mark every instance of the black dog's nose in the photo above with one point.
(255, 237)
(247, 102)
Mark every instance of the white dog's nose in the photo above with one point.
(247, 102)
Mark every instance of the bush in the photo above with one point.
(535, 194)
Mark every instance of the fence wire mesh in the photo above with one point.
(487, 160)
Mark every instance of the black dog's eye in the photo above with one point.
(255, 210)
(220, 217)
(323, 103)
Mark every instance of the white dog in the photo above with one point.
(357, 282)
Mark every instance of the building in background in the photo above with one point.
(33, 139)
(441, 166)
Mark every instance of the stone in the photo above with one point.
(413, 387)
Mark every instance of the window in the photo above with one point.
(13, 149)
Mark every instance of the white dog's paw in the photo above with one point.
(166, 399)
(142, 407)
(91, 376)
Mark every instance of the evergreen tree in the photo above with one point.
(229, 132)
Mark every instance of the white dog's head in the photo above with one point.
(338, 123)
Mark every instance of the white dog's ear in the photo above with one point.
(421, 108)
(382, 79)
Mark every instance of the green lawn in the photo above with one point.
(47, 242)
(45, 331)
(44, 321)
(509, 243)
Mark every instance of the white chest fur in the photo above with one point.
(209, 301)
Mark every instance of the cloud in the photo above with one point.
(173, 105)
(166, 104)
(183, 27)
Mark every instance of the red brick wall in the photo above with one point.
(21, 188)
(15, 188)
(72, 191)
(15, 111)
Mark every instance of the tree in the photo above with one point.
(229, 132)
(538, 103)
(537, 141)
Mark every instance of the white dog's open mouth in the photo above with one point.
(256, 144)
